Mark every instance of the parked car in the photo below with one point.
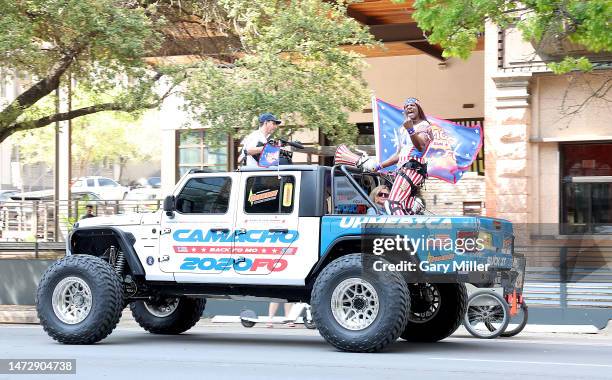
(47, 195)
(104, 188)
(154, 182)
(141, 199)
(144, 194)
(151, 183)
(5, 195)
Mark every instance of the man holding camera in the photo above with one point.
(253, 143)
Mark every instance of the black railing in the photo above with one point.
(51, 221)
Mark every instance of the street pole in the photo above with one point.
(56, 166)
(63, 163)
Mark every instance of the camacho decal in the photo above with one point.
(266, 195)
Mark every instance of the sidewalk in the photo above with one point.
(26, 314)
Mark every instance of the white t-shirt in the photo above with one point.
(251, 141)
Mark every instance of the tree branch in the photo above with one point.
(63, 116)
(567, 112)
(41, 88)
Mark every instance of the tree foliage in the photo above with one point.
(293, 65)
(97, 43)
(269, 55)
(97, 139)
(456, 24)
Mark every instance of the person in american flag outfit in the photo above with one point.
(415, 135)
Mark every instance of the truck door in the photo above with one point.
(266, 223)
(197, 238)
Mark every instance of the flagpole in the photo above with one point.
(376, 127)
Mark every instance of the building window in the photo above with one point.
(478, 165)
(472, 208)
(194, 153)
(586, 194)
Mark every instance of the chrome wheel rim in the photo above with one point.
(354, 304)
(486, 315)
(162, 309)
(72, 300)
(433, 299)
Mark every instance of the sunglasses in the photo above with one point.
(383, 195)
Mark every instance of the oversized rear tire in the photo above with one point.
(168, 316)
(357, 310)
(436, 311)
(79, 300)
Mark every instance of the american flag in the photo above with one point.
(448, 157)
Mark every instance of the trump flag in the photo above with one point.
(269, 156)
(448, 156)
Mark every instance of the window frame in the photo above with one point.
(112, 183)
(203, 152)
(229, 199)
(280, 195)
(563, 182)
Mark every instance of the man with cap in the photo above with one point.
(414, 134)
(253, 143)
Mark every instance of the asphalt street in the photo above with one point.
(234, 352)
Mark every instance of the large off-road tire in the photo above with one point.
(436, 311)
(79, 300)
(169, 316)
(357, 310)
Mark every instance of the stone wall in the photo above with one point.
(508, 121)
(443, 198)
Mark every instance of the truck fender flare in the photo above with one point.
(323, 258)
(125, 240)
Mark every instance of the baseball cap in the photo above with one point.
(268, 117)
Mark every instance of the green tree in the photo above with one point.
(96, 139)
(456, 24)
(280, 56)
(295, 64)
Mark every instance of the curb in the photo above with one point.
(26, 314)
(23, 314)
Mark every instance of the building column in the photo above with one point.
(507, 142)
(169, 162)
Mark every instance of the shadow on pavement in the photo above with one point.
(455, 345)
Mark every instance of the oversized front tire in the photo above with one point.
(357, 310)
(79, 300)
(169, 316)
(436, 311)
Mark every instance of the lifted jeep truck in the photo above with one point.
(293, 233)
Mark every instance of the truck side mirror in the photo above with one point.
(169, 204)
